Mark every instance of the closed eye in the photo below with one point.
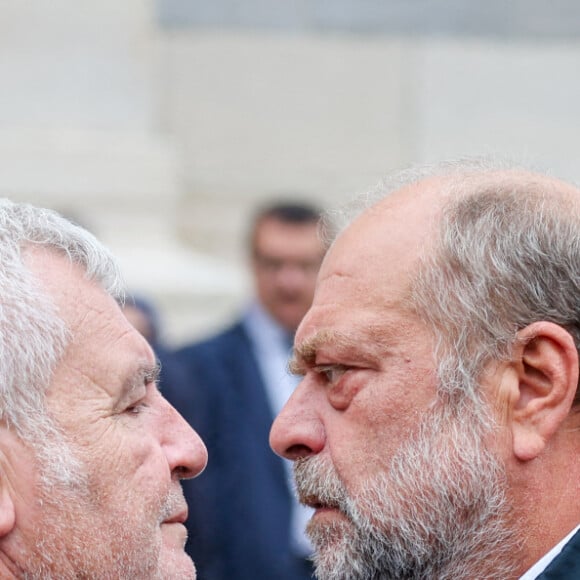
(141, 398)
(136, 409)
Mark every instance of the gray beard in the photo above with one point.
(439, 511)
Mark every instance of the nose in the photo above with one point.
(297, 431)
(185, 451)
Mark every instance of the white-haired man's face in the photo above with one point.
(113, 507)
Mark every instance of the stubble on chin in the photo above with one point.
(333, 534)
(89, 535)
(440, 511)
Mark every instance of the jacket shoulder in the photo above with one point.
(232, 337)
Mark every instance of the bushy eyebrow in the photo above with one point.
(368, 344)
(144, 374)
(152, 372)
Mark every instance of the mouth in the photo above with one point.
(316, 504)
(178, 518)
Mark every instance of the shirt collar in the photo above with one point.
(545, 560)
(263, 329)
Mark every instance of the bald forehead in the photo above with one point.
(379, 248)
(438, 189)
(420, 203)
(398, 224)
(403, 225)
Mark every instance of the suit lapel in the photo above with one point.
(566, 566)
(252, 397)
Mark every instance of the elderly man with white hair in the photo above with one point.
(91, 454)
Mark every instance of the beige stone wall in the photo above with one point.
(326, 116)
(80, 132)
(164, 141)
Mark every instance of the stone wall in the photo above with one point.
(163, 139)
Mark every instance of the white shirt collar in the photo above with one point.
(263, 329)
(543, 562)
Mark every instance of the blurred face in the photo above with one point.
(286, 259)
(122, 516)
(394, 480)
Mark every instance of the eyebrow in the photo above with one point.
(144, 374)
(374, 339)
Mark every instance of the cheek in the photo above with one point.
(126, 460)
(144, 463)
(132, 488)
(363, 438)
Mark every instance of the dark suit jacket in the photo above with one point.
(566, 566)
(240, 507)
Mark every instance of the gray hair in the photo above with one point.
(33, 337)
(506, 254)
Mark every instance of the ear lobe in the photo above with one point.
(546, 364)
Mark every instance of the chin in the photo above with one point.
(177, 564)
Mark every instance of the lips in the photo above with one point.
(178, 518)
(317, 504)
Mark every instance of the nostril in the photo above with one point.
(298, 451)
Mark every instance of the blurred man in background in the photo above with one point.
(251, 527)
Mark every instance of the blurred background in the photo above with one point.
(160, 125)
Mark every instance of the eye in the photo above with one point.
(136, 409)
(331, 374)
(137, 405)
(341, 383)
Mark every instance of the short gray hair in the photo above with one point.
(507, 255)
(32, 334)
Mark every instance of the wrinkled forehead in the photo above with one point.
(387, 238)
(406, 220)
(384, 243)
(76, 298)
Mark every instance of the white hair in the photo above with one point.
(33, 337)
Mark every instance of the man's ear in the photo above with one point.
(546, 372)
(7, 510)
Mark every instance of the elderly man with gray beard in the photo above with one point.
(436, 429)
